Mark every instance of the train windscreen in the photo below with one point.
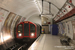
(32, 28)
(20, 28)
(26, 29)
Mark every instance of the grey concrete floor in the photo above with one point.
(48, 42)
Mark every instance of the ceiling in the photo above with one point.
(29, 8)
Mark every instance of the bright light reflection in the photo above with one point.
(1, 38)
(33, 46)
(7, 37)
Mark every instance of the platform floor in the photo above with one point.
(47, 42)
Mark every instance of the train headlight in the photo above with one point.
(32, 34)
(20, 34)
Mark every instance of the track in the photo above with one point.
(17, 47)
(21, 46)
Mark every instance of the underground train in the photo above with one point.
(27, 31)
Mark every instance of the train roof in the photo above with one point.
(29, 22)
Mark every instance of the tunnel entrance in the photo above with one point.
(45, 25)
(45, 29)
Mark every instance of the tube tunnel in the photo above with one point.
(56, 19)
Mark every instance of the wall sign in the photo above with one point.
(3, 15)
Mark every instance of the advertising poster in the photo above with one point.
(8, 22)
(61, 29)
(64, 27)
(22, 19)
(7, 26)
(18, 20)
(3, 15)
(69, 29)
(73, 25)
(13, 25)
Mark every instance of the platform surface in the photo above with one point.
(48, 42)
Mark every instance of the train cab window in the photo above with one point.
(20, 28)
(32, 28)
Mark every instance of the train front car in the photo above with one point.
(27, 31)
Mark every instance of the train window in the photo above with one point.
(32, 28)
(20, 28)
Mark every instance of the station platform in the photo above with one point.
(48, 42)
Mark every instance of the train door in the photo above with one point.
(26, 29)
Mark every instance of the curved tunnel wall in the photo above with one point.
(3, 15)
(35, 19)
(24, 9)
(7, 24)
